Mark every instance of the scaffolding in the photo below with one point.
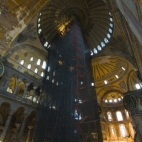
(69, 112)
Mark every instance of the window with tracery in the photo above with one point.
(119, 116)
(109, 116)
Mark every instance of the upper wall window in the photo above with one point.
(22, 62)
(123, 130)
(31, 59)
(112, 131)
(109, 115)
(44, 65)
(38, 62)
(119, 116)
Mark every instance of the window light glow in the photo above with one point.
(105, 82)
(105, 40)
(119, 99)
(92, 84)
(119, 116)
(112, 130)
(109, 116)
(49, 69)
(102, 44)
(123, 68)
(22, 62)
(123, 130)
(52, 80)
(99, 47)
(111, 19)
(57, 83)
(39, 20)
(38, 25)
(110, 30)
(106, 101)
(36, 70)
(91, 53)
(53, 73)
(47, 77)
(38, 62)
(44, 65)
(115, 100)
(39, 31)
(111, 25)
(108, 35)
(31, 59)
(42, 74)
(29, 66)
(110, 101)
(137, 86)
(95, 51)
(45, 44)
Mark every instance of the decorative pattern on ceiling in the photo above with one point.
(93, 15)
(108, 69)
(14, 16)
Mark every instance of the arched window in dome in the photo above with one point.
(119, 116)
(29, 66)
(102, 44)
(22, 62)
(111, 25)
(108, 35)
(105, 40)
(38, 62)
(109, 116)
(31, 59)
(44, 65)
(45, 44)
(91, 53)
(95, 51)
(38, 25)
(123, 130)
(42, 74)
(111, 19)
(110, 30)
(112, 131)
(36, 70)
(99, 47)
(39, 31)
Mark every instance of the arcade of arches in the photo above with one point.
(116, 69)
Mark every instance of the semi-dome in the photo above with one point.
(93, 16)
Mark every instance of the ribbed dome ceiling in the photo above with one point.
(93, 15)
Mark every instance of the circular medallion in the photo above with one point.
(129, 102)
(1, 68)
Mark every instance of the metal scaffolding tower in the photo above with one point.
(69, 112)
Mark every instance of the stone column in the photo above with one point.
(22, 128)
(2, 137)
(25, 91)
(19, 80)
(29, 132)
(35, 87)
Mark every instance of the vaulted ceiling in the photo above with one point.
(16, 37)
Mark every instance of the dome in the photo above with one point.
(93, 16)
